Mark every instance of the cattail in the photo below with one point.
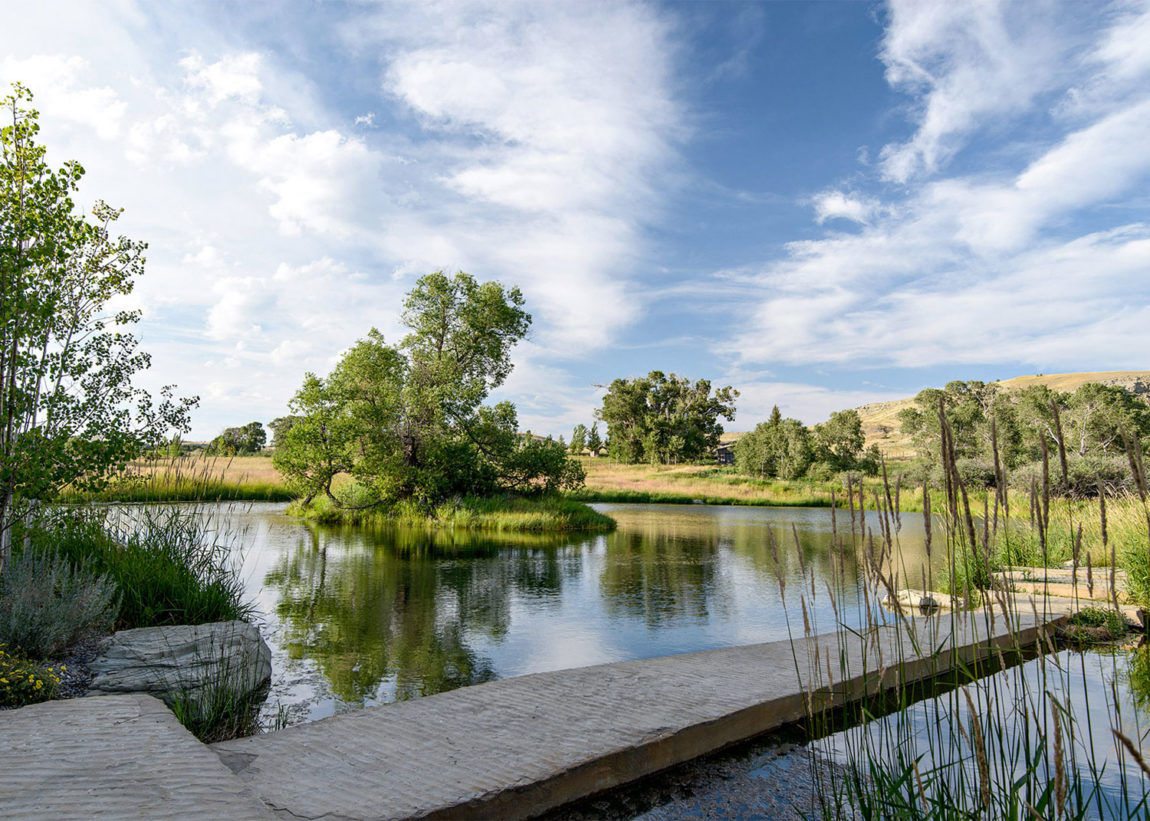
(926, 516)
(1077, 553)
(1059, 765)
(799, 550)
(1061, 445)
(851, 501)
(1130, 748)
(1134, 454)
(898, 503)
(775, 558)
(921, 791)
(1089, 576)
(979, 746)
(1045, 483)
(834, 520)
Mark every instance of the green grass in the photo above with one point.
(168, 566)
(498, 514)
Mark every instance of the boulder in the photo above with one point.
(189, 661)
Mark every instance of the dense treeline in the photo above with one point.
(1090, 428)
(664, 419)
(787, 449)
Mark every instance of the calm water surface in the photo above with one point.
(358, 617)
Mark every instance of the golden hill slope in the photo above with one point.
(880, 419)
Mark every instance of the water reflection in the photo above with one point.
(366, 616)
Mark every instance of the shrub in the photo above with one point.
(1083, 476)
(169, 567)
(24, 682)
(1112, 620)
(47, 602)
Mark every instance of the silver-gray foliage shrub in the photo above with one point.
(47, 604)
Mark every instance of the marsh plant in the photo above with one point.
(1009, 727)
(170, 564)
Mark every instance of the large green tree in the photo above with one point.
(249, 438)
(69, 413)
(778, 448)
(839, 441)
(408, 421)
(664, 418)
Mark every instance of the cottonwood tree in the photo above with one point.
(250, 438)
(408, 421)
(69, 414)
(664, 418)
(779, 447)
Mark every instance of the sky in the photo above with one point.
(820, 203)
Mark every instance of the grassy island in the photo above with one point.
(541, 514)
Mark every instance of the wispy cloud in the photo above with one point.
(1037, 264)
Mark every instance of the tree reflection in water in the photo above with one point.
(396, 605)
(395, 613)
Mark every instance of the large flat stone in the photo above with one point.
(186, 661)
(116, 757)
(518, 747)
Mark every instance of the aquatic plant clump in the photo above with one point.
(497, 514)
(168, 564)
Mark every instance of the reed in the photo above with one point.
(189, 479)
(1001, 736)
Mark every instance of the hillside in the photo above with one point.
(880, 419)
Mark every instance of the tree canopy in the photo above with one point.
(408, 421)
(69, 413)
(250, 438)
(664, 419)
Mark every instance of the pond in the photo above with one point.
(358, 616)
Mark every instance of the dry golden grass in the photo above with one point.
(190, 478)
(608, 479)
(233, 470)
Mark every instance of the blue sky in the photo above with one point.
(820, 203)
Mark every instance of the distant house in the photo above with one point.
(725, 454)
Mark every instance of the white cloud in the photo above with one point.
(551, 123)
(65, 94)
(839, 205)
(234, 76)
(811, 404)
(1043, 265)
(964, 65)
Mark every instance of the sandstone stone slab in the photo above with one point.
(117, 757)
(183, 660)
(521, 746)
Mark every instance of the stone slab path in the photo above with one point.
(123, 756)
(518, 747)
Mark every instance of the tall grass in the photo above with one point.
(190, 479)
(168, 563)
(1006, 739)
